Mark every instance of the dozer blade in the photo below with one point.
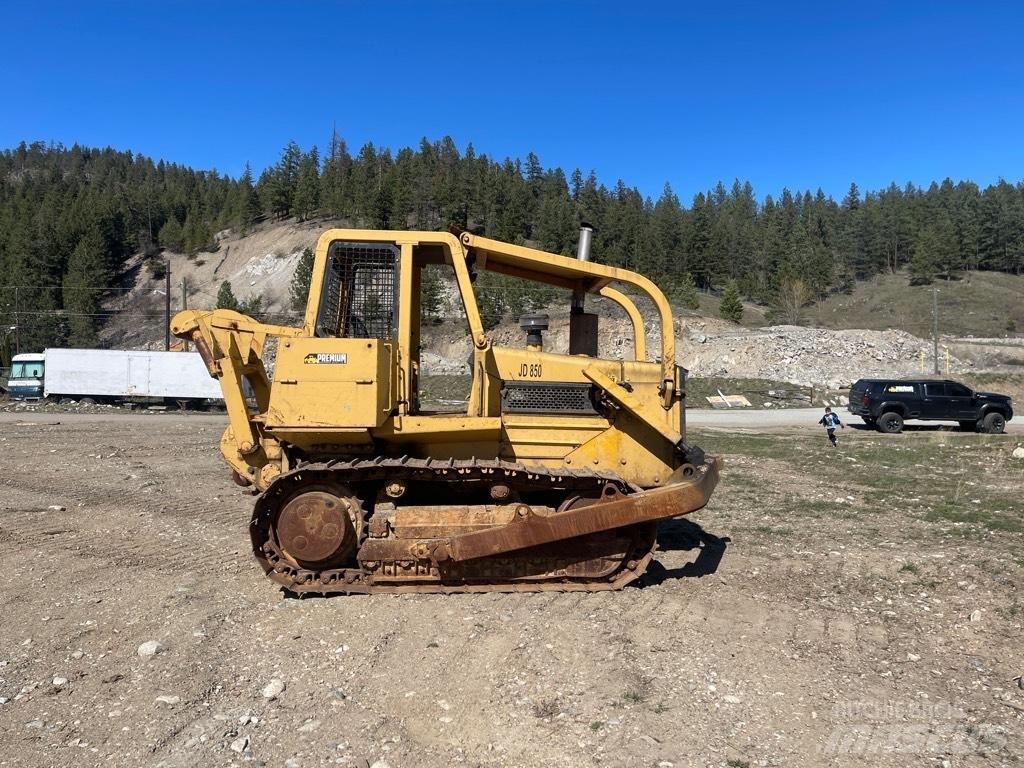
(680, 496)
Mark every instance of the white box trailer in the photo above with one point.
(113, 374)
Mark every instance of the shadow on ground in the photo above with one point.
(685, 535)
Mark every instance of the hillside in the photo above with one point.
(259, 264)
(976, 304)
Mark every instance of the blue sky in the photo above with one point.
(782, 94)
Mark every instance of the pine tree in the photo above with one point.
(852, 200)
(451, 205)
(511, 213)
(590, 201)
(424, 203)
(554, 228)
(431, 293)
(666, 225)
(87, 272)
(307, 186)
(948, 257)
(226, 297)
(171, 235)
(196, 232)
(924, 265)
(575, 184)
(684, 292)
(249, 207)
(896, 225)
(402, 188)
(846, 241)
(365, 182)
(283, 179)
(719, 268)
(731, 307)
(334, 179)
(698, 242)
(380, 201)
(303, 276)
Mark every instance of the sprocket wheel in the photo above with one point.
(320, 527)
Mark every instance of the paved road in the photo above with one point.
(736, 418)
(748, 417)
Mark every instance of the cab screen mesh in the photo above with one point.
(360, 291)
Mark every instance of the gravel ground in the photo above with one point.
(137, 630)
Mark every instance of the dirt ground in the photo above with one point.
(822, 610)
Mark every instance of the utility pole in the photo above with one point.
(184, 302)
(935, 328)
(149, 218)
(167, 307)
(17, 324)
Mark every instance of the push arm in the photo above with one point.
(231, 346)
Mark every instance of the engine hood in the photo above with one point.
(992, 396)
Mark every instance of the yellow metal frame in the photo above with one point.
(638, 436)
(540, 266)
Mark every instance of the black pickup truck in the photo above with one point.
(887, 403)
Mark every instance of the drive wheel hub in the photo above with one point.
(318, 528)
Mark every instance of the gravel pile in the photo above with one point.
(807, 356)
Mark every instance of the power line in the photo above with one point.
(68, 313)
(61, 287)
(120, 288)
(120, 313)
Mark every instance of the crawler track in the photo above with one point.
(608, 560)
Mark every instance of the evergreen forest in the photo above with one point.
(71, 216)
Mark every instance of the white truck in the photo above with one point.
(112, 376)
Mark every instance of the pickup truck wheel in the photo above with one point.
(993, 423)
(87, 401)
(890, 423)
(968, 426)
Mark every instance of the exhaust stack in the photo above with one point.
(582, 325)
(582, 254)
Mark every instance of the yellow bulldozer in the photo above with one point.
(553, 476)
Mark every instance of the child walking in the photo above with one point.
(830, 421)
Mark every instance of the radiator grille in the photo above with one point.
(360, 291)
(567, 398)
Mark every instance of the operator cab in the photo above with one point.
(375, 296)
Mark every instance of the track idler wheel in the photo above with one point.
(319, 529)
